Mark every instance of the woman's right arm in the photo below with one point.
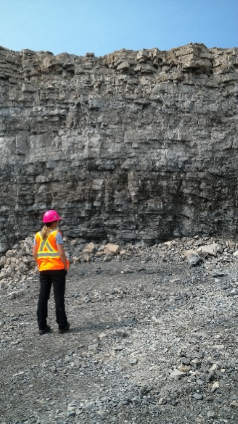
(34, 252)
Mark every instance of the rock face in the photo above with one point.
(129, 146)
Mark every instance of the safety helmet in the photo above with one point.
(51, 216)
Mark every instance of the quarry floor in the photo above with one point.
(152, 342)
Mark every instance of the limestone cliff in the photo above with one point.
(129, 146)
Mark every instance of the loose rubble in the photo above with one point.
(153, 339)
(18, 261)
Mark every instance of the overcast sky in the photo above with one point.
(103, 26)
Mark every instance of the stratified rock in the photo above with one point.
(130, 146)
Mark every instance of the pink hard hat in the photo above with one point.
(51, 216)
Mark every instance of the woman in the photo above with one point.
(48, 252)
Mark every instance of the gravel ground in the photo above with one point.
(152, 340)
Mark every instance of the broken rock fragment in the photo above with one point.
(193, 258)
(210, 250)
(90, 248)
(111, 249)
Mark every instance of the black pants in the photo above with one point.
(47, 278)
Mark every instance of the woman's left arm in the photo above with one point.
(62, 255)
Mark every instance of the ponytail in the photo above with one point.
(46, 230)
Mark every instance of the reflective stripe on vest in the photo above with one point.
(48, 257)
(46, 250)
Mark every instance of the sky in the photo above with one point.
(104, 26)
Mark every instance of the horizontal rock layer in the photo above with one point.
(129, 146)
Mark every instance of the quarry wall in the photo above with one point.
(135, 145)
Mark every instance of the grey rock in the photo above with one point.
(125, 129)
(194, 259)
(118, 348)
(211, 414)
(211, 249)
(3, 247)
(198, 396)
(133, 361)
(71, 413)
(176, 373)
(89, 406)
(185, 361)
(234, 404)
(136, 401)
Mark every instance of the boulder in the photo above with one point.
(193, 258)
(209, 250)
(111, 249)
(90, 248)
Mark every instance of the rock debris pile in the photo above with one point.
(18, 261)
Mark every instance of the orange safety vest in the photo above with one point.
(48, 257)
